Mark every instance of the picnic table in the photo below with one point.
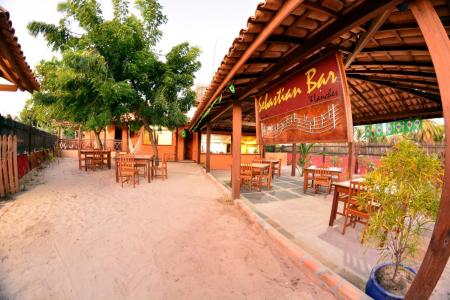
(146, 159)
(340, 187)
(310, 170)
(90, 152)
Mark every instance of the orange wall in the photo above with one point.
(223, 161)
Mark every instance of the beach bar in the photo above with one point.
(393, 57)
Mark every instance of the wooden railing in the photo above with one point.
(72, 144)
(9, 177)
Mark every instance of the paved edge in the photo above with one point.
(328, 279)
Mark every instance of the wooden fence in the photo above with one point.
(9, 177)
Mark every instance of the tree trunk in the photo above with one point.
(98, 141)
(154, 142)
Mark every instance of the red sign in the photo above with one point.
(314, 105)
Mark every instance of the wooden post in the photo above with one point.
(125, 137)
(199, 147)
(350, 160)
(208, 148)
(236, 150)
(104, 138)
(323, 155)
(438, 250)
(15, 167)
(79, 146)
(176, 144)
(356, 158)
(294, 159)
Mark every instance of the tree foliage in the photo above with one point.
(112, 69)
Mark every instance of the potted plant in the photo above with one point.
(407, 186)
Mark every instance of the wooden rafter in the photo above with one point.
(262, 60)
(424, 113)
(395, 72)
(355, 17)
(409, 26)
(402, 48)
(291, 39)
(8, 87)
(366, 36)
(12, 61)
(393, 63)
(362, 97)
(412, 91)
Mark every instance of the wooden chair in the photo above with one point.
(247, 175)
(277, 168)
(161, 169)
(322, 177)
(95, 160)
(127, 169)
(354, 212)
(265, 179)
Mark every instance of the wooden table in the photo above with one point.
(90, 152)
(141, 158)
(273, 162)
(341, 187)
(311, 169)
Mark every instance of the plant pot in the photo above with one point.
(375, 290)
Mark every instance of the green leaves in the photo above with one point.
(408, 186)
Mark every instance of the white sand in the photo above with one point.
(78, 235)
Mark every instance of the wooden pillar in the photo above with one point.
(236, 150)
(356, 148)
(79, 146)
(199, 146)
(350, 160)
(176, 144)
(208, 148)
(323, 155)
(294, 159)
(125, 137)
(438, 250)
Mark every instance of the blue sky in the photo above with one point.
(210, 24)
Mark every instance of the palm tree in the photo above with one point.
(304, 156)
(431, 132)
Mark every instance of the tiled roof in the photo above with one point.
(13, 65)
(392, 77)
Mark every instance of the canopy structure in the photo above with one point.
(389, 68)
(396, 63)
(13, 66)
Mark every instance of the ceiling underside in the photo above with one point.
(13, 66)
(389, 69)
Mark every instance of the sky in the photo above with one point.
(211, 25)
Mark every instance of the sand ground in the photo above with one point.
(78, 235)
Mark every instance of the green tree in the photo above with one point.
(160, 88)
(304, 158)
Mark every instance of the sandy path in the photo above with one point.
(81, 236)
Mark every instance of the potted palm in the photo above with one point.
(407, 186)
(303, 159)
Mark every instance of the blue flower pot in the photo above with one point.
(375, 290)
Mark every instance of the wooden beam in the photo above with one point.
(8, 87)
(438, 251)
(356, 17)
(246, 75)
(208, 148)
(23, 80)
(411, 91)
(319, 8)
(262, 60)
(281, 38)
(394, 72)
(294, 159)
(236, 150)
(409, 25)
(366, 36)
(393, 63)
(402, 48)
(288, 7)
(413, 84)
(249, 124)
(199, 146)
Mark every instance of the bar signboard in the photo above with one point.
(312, 106)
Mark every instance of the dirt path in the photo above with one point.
(81, 236)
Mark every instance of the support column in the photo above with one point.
(356, 152)
(438, 250)
(350, 165)
(79, 146)
(176, 144)
(199, 146)
(236, 150)
(104, 138)
(294, 159)
(208, 148)
(125, 137)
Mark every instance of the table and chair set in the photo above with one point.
(128, 166)
(259, 173)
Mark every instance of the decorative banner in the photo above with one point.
(312, 106)
(397, 127)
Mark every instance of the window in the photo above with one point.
(221, 144)
(164, 137)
